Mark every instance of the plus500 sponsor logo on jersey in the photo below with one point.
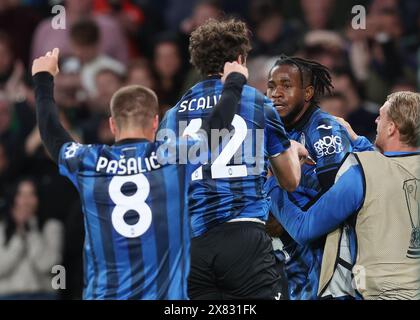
(328, 145)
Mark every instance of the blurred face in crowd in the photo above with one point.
(335, 106)
(285, 90)
(268, 30)
(79, 7)
(6, 4)
(378, 6)
(167, 59)
(344, 85)
(204, 12)
(317, 13)
(26, 201)
(140, 76)
(5, 116)
(107, 83)
(85, 53)
(384, 127)
(6, 58)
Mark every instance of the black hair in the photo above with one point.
(312, 73)
(85, 32)
(10, 224)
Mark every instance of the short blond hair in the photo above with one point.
(404, 111)
(134, 106)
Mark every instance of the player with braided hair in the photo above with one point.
(295, 86)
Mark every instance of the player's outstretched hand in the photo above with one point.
(345, 124)
(234, 67)
(47, 63)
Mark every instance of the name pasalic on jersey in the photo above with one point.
(201, 103)
(127, 166)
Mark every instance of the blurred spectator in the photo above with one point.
(96, 129)
(113, 44)
(273, 34)
(360, 114)
(168, 68)
(201, 12)
(129, 16)
(11, 70)
(375, 53)
(317, 14)
(175, 11)
(335, 104)
(107, 82)
(19, 22)
(140, 73)
(325, 47)
(6, 176)
(6, 59)
(7, 132)
(87, 59)
(259, 68)
(29, 247)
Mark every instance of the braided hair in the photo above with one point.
(311, 73)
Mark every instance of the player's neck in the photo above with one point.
(135, 134)
(397, 146)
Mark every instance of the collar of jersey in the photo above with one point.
(303, 120)
(391, 154)
(213, 77)
(130, 140)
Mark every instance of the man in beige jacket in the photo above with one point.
(371, 213)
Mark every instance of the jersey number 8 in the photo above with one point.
(135, 202)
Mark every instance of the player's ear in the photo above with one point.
(155, 123)
(309, 93)
(392, 128)
(112, 126)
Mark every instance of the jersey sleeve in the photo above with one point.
(169, 120)
(70, 159)
(330, 143)
(276, 138)
(362, 144)
(343, 199)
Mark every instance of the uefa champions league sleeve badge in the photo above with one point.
(412, 198)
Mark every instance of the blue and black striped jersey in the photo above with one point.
(136, 222)
(231, 185)
(327, 142)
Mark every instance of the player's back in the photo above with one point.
(137, 229)
(232, 186)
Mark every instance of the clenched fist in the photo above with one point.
(234, 67)
(47, 63)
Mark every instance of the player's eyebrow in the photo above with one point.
(282, 80)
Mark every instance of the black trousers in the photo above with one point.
(235, 261)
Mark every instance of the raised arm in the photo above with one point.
(234, 77)
(53, 134)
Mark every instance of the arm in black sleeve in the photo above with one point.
(53, 134)
(222, 114)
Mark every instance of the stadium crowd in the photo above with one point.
(109, 44)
